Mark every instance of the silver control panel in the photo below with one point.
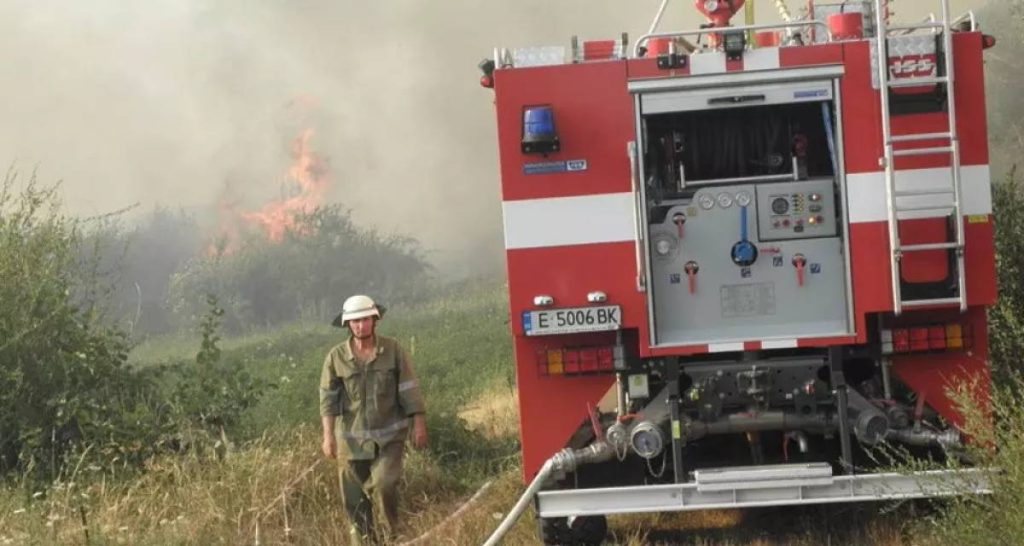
(725, 267)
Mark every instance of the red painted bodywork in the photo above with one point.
(595, 120)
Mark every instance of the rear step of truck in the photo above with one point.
(758, 486)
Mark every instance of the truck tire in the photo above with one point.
(554, 531)
(582, 531)
(588, 530)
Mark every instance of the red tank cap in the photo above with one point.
(987, 41)
(846, 26)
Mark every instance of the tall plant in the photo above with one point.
(64, 382)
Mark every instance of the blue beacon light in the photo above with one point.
(539, 134)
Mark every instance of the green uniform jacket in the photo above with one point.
(373, 401)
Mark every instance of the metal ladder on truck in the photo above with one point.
(941, 27)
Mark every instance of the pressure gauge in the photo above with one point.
(663, 247)
(647, 440)
(710, 5)
(706, 202)
(780, 205)
(724, 200)
(742, 198)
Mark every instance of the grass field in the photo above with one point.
(269, 483)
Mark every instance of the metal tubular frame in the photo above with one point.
(742, 28)
(897, 249)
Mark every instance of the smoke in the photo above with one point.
(174, 101)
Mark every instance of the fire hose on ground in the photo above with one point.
(566, 460)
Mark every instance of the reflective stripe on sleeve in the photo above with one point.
(406, 385)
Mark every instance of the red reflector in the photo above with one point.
(572, 361)
(937, 337)
(901, 340)
(605, 358)
(542, 361)
(988, 41)
(588, 360)
(918, 339)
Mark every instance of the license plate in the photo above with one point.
(572, 320)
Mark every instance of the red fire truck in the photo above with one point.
(744, 261)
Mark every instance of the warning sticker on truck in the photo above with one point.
(748, 300)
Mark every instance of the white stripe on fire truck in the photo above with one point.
(712, 62)
(725, 347)
(867, 192)
(563, 221)
(608, 218)
(764, 58)
(779, 344)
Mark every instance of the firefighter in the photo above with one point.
(369, 395)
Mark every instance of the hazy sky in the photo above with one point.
(177, 101)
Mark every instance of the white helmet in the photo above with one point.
(356, 307)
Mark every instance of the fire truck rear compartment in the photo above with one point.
(744, 217)
(693, 147)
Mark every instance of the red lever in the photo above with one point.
(799, 262)
(680, 220)
(691, 274)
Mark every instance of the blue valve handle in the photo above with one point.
(744, 253)
(743, 223)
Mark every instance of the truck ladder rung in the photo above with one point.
(931, 302)
(917, 208)
(917, 82)
(921, 193)
(920, 136)
(923, 151)
(917, 26)
(929, 246)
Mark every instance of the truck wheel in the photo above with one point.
(554, 531)
(588, 530)
(580, 531)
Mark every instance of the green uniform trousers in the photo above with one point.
(372, 484)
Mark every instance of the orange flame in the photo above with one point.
(303, 191)
(308, 173)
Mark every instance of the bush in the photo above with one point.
(214, 394)
(63, 378)
(321, 260)
(1006, 319)
(66, 389)
(997, 449)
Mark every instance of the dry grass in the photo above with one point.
(195, 499)
(268, 485)
(495, 413)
